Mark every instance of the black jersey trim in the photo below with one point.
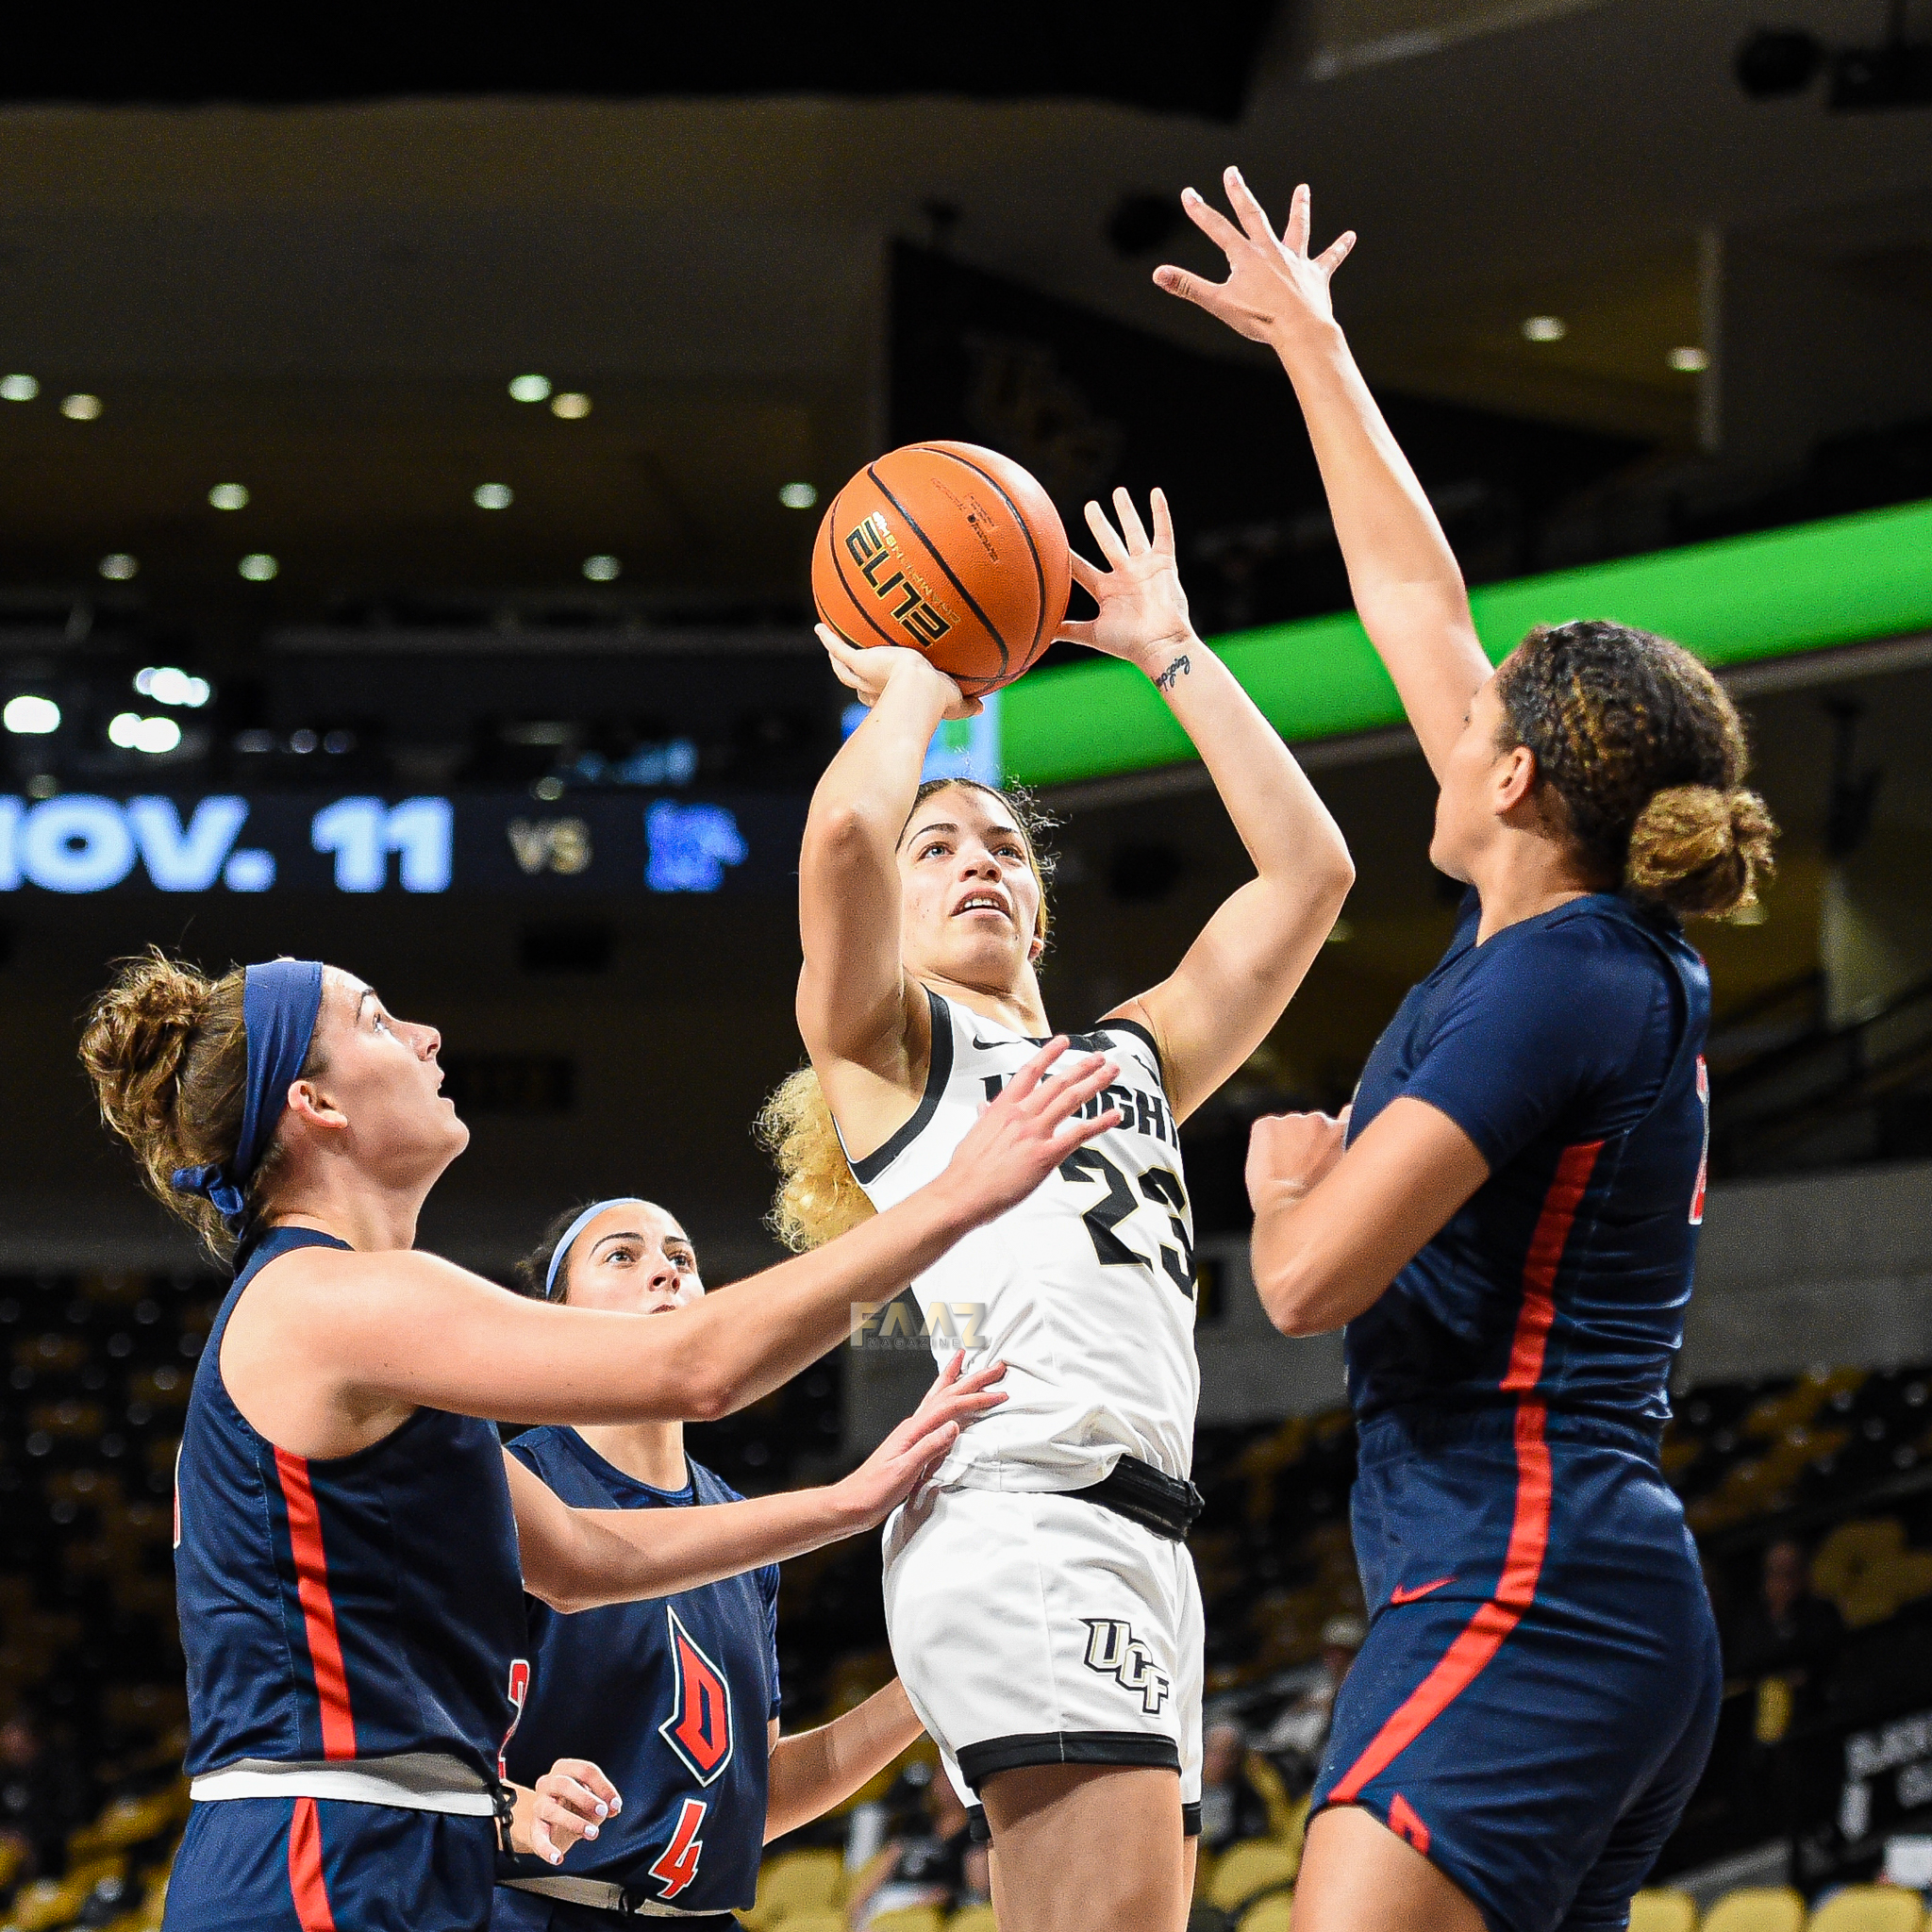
(1190, 1820)
(978, 1762)
(978, 1831)
(938, 1069)
(1140, 1032)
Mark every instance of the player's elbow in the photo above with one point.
(1296, 1300)
(842, 833)
(711, 1394)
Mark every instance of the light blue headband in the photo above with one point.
(576, 1228)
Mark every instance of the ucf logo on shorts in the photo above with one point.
(1114, 1651)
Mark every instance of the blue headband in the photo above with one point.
(279, 1004)
(576, 1228)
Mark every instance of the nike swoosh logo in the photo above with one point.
(1408, 1597)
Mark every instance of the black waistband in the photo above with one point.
(1145, 1495)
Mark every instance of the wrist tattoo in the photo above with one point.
(1174, 674)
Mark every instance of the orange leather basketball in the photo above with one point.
(951, 549)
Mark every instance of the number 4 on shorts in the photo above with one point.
(677, 1863)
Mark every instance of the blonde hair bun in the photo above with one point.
(1700, 851)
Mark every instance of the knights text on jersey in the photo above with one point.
(1085, 1291)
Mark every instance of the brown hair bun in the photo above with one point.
(1700, 851)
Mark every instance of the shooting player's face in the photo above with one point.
(633, 1260)
(970, 904)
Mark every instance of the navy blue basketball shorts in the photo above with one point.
(1541, 1683)
(321, 1865)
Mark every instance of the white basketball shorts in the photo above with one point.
(1035, 1628)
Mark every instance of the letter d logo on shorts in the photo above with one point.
(1114, 1651)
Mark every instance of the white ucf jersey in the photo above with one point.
(1085, 1291)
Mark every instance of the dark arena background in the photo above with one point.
(412, 434)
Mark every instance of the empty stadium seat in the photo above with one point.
(1269, 1915)
(1660, 1910)
(796, 1882)
(1870, 1909)
(1757, 1909)
(1248, 1869)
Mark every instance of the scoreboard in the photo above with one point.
(497, 842)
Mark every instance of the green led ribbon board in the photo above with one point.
(1804, 589)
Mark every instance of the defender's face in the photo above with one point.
(633, 1260)
(970, 904)
(381, 1073)
(1466, 806)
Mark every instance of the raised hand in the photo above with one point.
(1144, 611)
(866, 672)
(1030, 1130)
(570, 1801)
(1272, 284)
(919, 1444)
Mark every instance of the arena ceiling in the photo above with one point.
(325, 302)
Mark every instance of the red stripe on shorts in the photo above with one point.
(1530, 1529)
(317, 1607)
(306, 1885)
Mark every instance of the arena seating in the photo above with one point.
(98, 1372)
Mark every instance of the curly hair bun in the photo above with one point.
(1700, 851)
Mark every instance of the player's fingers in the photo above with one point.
(1248, 211)
(1294, 236)
(1212, 222)
(1051, 1100)
(574, 1795)
(1132, 528)
(1336, 252)
(1105, 536)
(1076, 632)
(539, 1839)
(1035, 1071)
(1163, 521)
(1076, 1132)
(1212, 296)
(1090, 578)
(1083, 1083)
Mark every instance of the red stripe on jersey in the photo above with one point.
(317, 1607)
(1529, 1527)
(306, 1885)
(1539, 1267)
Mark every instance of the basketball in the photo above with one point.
(949, 548)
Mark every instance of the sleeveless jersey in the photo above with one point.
(1085, 1291)
(669, 1697)
(1569, 1047)
(364, 1607)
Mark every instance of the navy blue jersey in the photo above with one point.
(671, 1697)
(359, 1607)
(1569, 1047)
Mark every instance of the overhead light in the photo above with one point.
(1688, 361)
(602, 570)
(167, 684)
(548, 790)
(492, 496)
(132, 732)
(118, 567)
(229, 496)
(1545, 328)
(338, 743)
(255, 740)
(573, 405)
(303, 741)
(18, 388)
(80, 407)
(798, 495)
(258, 566)
(530, 389)
(31, 716)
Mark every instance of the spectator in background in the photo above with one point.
(938, 1865)
(1231, 1807)
(39, 1801)
(1298, 1737)
(1786, 1639)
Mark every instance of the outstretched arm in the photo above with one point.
(854, 997)
(1230, 988)
(812, 1771)
(1406, 583)
(329, 1351)
(574, 1560)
